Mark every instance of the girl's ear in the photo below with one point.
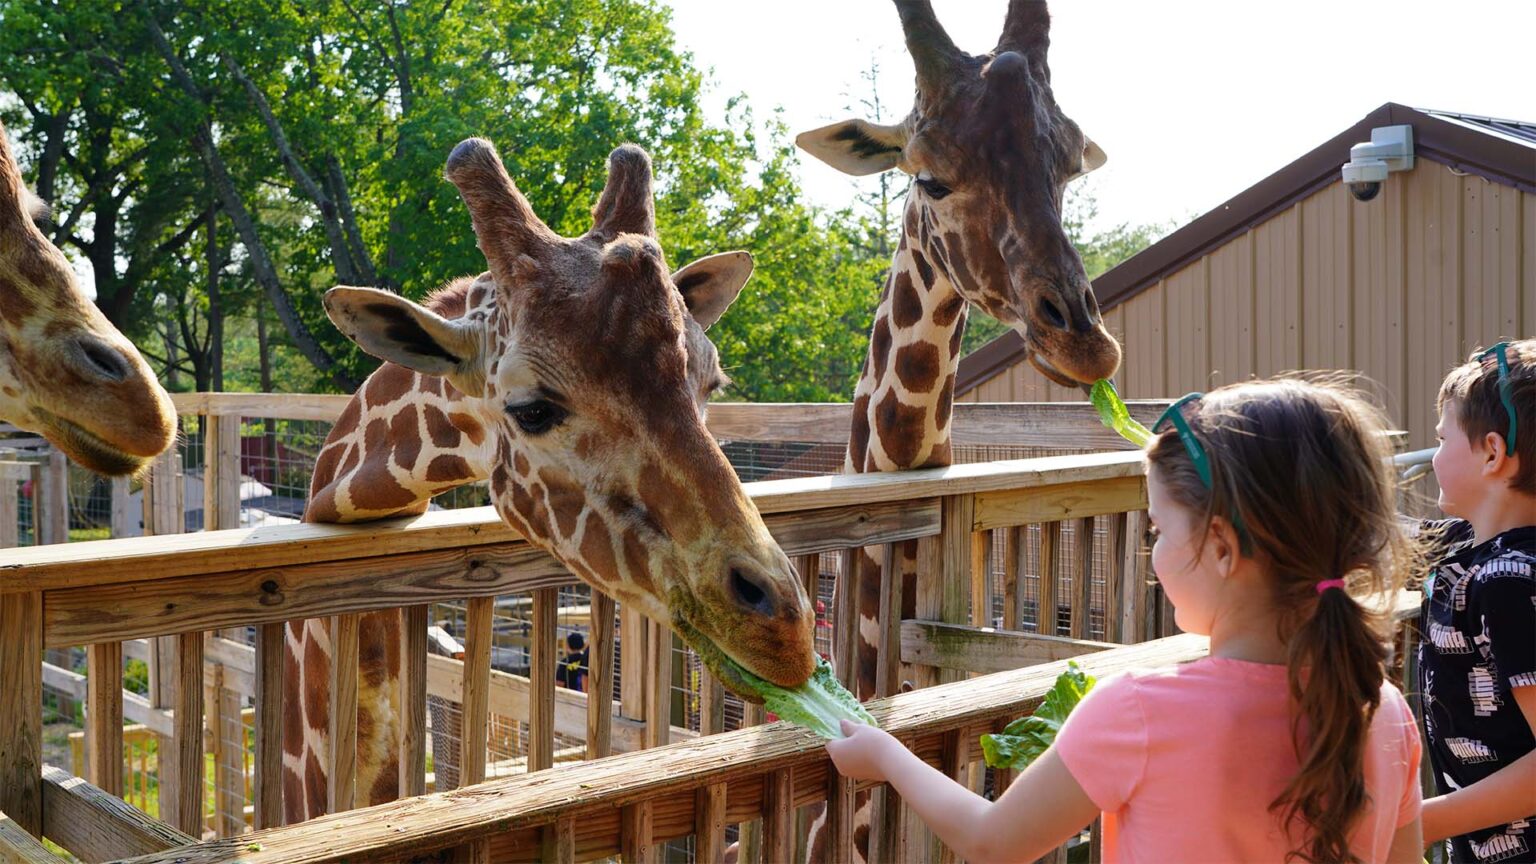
(1223, 545)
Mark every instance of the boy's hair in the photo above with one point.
(1303, 471)
(575, 641)
(1473, 387)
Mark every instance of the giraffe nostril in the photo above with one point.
(101, 360)
(749, 593)
(1052, 313)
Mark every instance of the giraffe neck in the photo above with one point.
(403, 438)
(903, 402)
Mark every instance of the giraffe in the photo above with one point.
(573, 375)
(990, 154)
(65, 371)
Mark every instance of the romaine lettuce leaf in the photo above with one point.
(817, 704)
(1114, 414)
(1026, 738)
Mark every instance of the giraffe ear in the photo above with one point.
(399, 331)
(710, 285)
(1093, 157)
(856, 147)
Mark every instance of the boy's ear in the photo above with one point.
(1497, 458)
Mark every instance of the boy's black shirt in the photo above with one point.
(1479, 642)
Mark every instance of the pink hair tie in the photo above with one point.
(1330, 583)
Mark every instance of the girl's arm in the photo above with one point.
(1042, 809)
(1407, 845)
(1504, 796)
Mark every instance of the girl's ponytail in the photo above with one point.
(1337, 661)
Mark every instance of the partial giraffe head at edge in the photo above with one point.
(65, 371)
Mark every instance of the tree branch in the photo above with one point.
(341, 257)
(261, 263)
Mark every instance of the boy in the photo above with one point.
(572, 671)
(1477, 662)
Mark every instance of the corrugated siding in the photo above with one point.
(1401, 289)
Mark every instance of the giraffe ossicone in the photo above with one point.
(573, 375)
(65, 371)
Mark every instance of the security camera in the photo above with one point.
(1390, 149)
(1363, 179)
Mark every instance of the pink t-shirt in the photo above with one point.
(1184, 763)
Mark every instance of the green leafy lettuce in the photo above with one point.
(1113, 413)
(817, 704)
(1027, 737)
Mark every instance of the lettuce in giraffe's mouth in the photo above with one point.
(817, 705)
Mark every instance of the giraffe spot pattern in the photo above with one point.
(906, 305)
(900, 427)
(858, 438)
(880, 347)
(405, 435)
(448, 469)
(440, 429)
(597, 550)
(469, 426)
(917, 365)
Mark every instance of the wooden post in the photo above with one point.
(119, 521)
(187, 741)
(1013, 565)
(12, 474)
(840, 801)
(845, 630)
(1132, 585)
(981, 597)
(342, 773)
(1045, 613)
(709, 824)
(1082, 577)
(600, 677)
(636, 835)
(956, 757)
(55, 492)
(269, 726)
(632, 639)
(959, 561)
(21, 711)
(104, 716)
(476, 702)
(658, 697)
(221, 472)
(477, 687)
(778, 817)
(559, 842)
(414, 621)
(1114, 580)
(541, 676)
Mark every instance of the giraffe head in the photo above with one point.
(65, 371)
(591, 371)
(991, 155)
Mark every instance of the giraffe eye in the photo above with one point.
(931, 187)
(536, 417)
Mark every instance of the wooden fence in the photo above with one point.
(181, 588)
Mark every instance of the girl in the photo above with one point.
(1274, 509)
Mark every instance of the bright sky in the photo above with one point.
(1193, 100)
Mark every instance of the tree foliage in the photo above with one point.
(221, 163)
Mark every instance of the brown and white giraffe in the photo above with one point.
(573, 375)
(65, 371)
(990, 154)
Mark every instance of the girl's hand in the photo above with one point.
(864, 753)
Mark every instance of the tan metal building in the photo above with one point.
(1294, 273)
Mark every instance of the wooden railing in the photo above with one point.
(625, 804)
(186, 586)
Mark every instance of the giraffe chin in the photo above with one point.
(86, 449)
(732, 675)
(1044, 367)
